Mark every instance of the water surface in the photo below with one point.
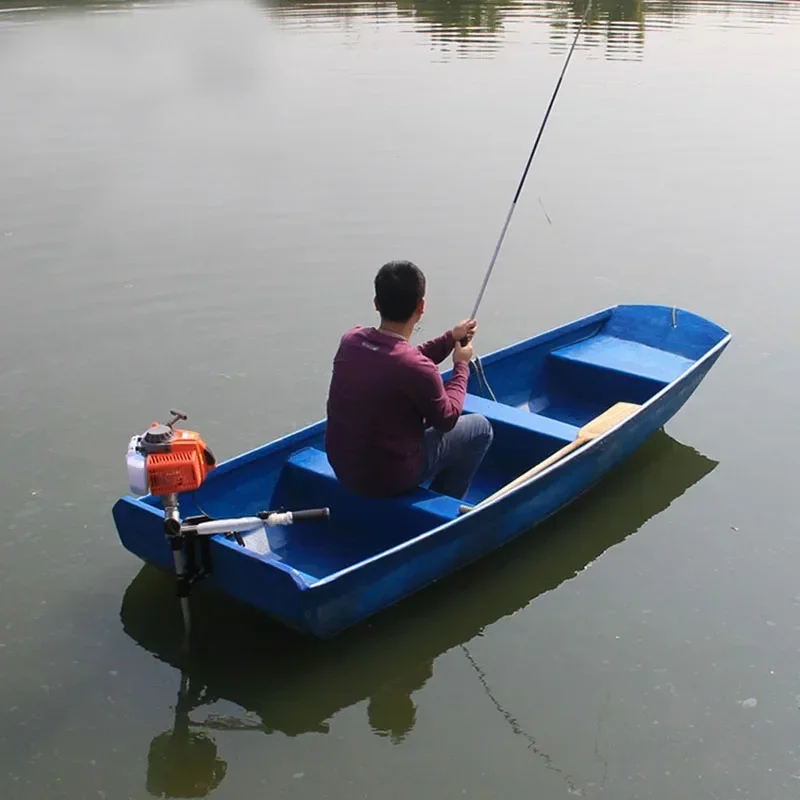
(194, 198)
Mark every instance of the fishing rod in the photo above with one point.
(528, 165)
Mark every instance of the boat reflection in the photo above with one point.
(286, 683)
(182, 762)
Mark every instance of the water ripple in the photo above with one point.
(475, 27)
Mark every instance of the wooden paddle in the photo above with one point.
(596, 427)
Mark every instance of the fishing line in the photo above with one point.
(479, 369)
(515, 725)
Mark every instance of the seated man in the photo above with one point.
(392, 422)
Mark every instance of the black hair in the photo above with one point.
(399, 286)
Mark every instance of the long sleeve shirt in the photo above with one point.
(383, 393)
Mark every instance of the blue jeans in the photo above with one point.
(451, 459)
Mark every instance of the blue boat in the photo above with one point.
(539, 394)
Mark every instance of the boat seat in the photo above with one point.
(622, 355)
(308, 481)
(520, 418)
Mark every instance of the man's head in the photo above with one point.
(400, 291)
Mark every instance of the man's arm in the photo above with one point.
(440, 404)
(439, 348)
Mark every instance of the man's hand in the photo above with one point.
(465, 330)
(462, 353)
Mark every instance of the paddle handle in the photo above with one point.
(518, 481)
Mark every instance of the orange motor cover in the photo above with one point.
(180, 464)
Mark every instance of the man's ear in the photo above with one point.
(377, 307)
(421, 307)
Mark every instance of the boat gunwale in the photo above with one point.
(593, 444)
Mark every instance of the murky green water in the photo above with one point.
(193, 200)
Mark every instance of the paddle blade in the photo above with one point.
(607, 420)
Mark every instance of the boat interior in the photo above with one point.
(546, 388)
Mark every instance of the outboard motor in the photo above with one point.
(165, 462)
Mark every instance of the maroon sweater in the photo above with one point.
(383, 393)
